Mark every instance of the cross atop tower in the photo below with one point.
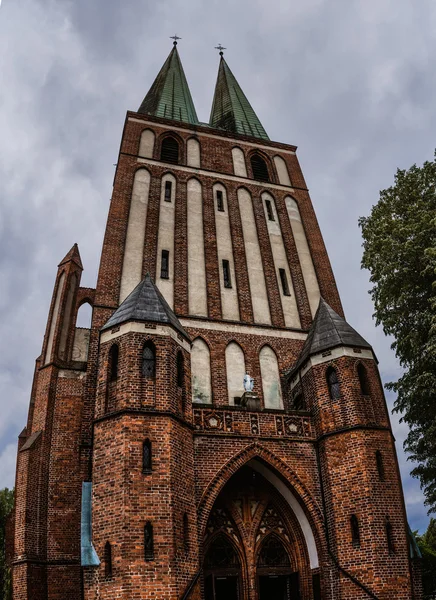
(175, 37)
(220, 48)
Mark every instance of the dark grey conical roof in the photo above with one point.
(145, 303)
(328, 330)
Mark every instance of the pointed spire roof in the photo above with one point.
(145, 303)
(169, 96)
(328, 331)
(231, 109)
(72, 256)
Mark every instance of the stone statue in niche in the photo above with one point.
(249, 399)
(248, 383)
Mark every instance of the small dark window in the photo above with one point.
(363, 379)
(219, 201)
(226, 274)
(164, 264)
(168, 188)
(107, 560)
(259, 168)
(355, 530)
(333, 383)
(380, 465)
(185, 533)
(299, 403)
(390, 536)
(269, 210)
(180, 369)
(146, 456)
(113, 363)
(237, 400)
(148, 542)
(170, 151)
(284, 280)
(149, 361)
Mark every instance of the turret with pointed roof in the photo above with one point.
(169, 96)
(230, 109)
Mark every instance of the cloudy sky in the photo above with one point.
(350, 82)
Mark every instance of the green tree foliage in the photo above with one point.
(427, 545)
(400, 252)
(6, 505)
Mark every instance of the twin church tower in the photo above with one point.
(147, 470)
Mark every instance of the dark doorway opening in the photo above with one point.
(279, 587)
(223, 587)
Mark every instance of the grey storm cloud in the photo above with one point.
(350, 82)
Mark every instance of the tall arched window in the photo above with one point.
(107, 560)
(355, 530)
(169, 152)
(113, 362)
(390, 536)
(148, 542)
(380, 465)
(333, 383)
(259, 168)
(363, 379)
(185, 533)
(180, 369)
(149, 361)
(273, 553)
(146, 457)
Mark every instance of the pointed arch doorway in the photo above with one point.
(254, 547)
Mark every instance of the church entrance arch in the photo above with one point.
(254, 546)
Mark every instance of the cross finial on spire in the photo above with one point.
(220, 48)
(175, 38)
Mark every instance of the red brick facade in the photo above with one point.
(269, 493)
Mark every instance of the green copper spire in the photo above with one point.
(231, 109)
(169, 96)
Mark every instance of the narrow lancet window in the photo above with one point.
(146, 457)
(180, 369)
(363, 379)
(380, 465)
(107, 560)
(226, 274)
(269, 210)
(164, 265)
(333, 383)
(113, 363)
(355, 530)
(284, 281)
(219, 201)
(168, 188)
(148, 542)
(170, 151)
(149, 361)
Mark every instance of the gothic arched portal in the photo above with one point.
(254, 547)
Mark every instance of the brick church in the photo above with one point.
(220, 432)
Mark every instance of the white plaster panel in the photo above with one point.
(284, 334)
(67, 317)
(197, 295)
(304, 256)
(194, 153)
(256, 275)
(165, 240)
(295, 506)
(235, 367)
(81, 344)
(229, 296)
(134, 247)
(239, 166)
(269, 370)
(146, 144)
(282, 170)
(200, 371)
(289, 303)
(54, 318)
